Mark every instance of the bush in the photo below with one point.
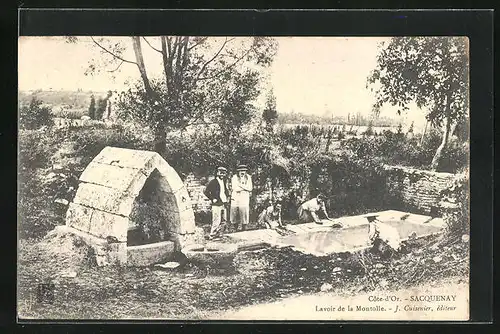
(34, 115)
(396, 149)
(73, 149)
(352, 186)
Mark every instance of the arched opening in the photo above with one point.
(148, 221)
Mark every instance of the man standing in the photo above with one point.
(217, 193)
(241, 185)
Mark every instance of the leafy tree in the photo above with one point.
(205, 80)
(34, 115)
(369, 130)
(101, 108)
(92, 108)
(270, 113)
(430, 71)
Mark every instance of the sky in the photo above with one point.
(311, 75)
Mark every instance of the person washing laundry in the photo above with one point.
(241, 189)
(270, 217)
(308, 211)
(217, 192)
(381, 235)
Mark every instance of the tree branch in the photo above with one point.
(227, 68)
(152, 47)
(111, 53)
(212, 59)
(116, 69)
(198, 43)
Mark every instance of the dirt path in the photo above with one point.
(325, 306)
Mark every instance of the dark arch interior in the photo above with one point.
(149, 217)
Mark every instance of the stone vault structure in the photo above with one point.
(101, 209)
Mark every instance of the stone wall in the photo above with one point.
(419, 188)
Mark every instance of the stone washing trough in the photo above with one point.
(321, 240)
(102, 211)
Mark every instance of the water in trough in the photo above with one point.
(351, 238)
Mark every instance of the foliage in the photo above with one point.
(397, 149)
(430, 71)
(457, 217)
(72, 149)
(101, 108)
(270, 114)
(205, 80)
(92, 108)
(34, 115)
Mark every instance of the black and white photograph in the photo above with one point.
(243, 178)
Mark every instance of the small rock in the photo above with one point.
(315, 267)
(301, 278)
(465, 238)
(300, 291)
(61, 201)
(336, 269)
(69, 274)
(437, 259)
(189, 275)
(168, 265)
(57, 168)
(51, 175)
(379, 266)
(349, 270)
(339, 259)
(303, 269)
(361, 288)
(326, 287)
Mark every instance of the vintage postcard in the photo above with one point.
(243, 178)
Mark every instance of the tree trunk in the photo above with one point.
(424, 133)
(160, 138)
(142, 68)
(444, 143)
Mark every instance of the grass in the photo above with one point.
(189, 292)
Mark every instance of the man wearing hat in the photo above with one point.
(218, 193)
(241, 185)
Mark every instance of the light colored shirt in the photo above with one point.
(223, 196)
(241, 189)
(312, 205)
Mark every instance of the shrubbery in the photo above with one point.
(34, 115)
(398, 149)
(72, 150)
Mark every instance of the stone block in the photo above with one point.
(187, 223)
(183, 240)
(145, 255)
(78, 217)
(124, 157)
(109, 176)
(170, 175)
(104, 224)
(111, 253)
(104, 199)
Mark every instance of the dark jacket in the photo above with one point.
(212, 191)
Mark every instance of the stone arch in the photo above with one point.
(107, 189)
